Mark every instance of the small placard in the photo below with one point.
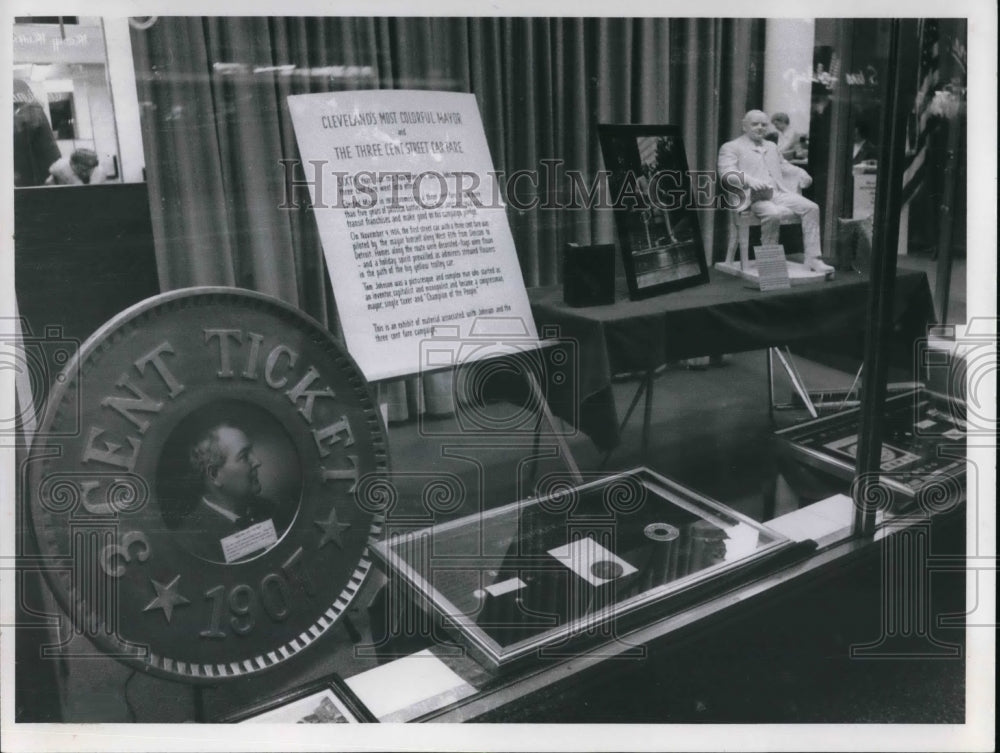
(864, 192)
(772, 267)
(505, 587)
(592, 562)
(249, 540)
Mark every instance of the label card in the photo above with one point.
(412, 222)
(772, 267)
(505, 587)
(592, 562)
(249, 540)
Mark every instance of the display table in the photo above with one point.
(721, 317)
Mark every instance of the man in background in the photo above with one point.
(788, 138)
(81, 168)
(863, 150)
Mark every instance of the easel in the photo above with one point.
(645, 388)
(798, 384)
(788, 364)
(544, 415)
(544, 411)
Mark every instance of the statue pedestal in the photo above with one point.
(797, 272)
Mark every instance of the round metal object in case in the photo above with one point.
(662, 532)
(193, 484)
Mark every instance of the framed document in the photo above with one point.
(326, 701)
(653, 200)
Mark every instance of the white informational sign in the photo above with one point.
(412, 224)
(592, 562)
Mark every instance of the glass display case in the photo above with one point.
(923, 448)
(535, 577)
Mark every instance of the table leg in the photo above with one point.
(788, 364)
(543, 407)
(643, 389)
(199, 704)
(648, 413)
(770, 385)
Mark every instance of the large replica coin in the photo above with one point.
(193, 484)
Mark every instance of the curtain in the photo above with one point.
(215, 124)
(716, 75)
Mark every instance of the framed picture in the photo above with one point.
(326, 701)
(651, 194)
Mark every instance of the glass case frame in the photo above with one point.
(625, 586)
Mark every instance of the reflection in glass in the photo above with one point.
(61, 111)
(64, 117)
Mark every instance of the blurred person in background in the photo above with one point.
(863, 150)
(788, 138)
(81, 168)
(35, 148)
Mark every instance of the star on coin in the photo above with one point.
(166, 598)
(331, 528)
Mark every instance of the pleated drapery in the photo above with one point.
(215, 125)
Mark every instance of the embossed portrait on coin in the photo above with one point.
(229, 481)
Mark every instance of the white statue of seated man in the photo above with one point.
(769, 186)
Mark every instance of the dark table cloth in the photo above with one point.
(724, 316)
